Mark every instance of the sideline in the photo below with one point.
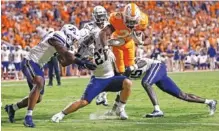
(76, 77)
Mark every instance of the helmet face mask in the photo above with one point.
(4, 47)
(99, 14)
(72, 34)
(131, 15)
(130, 23)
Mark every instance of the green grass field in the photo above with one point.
(179, 115)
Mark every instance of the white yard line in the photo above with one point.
(110, 121)
(134, 122)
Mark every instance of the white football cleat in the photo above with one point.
(155, 113)
(57, 117)
(102, 99)
(212, 107)
(121, 113)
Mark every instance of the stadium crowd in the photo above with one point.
(183, 34)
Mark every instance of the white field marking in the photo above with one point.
(132, 122)
(75, 77)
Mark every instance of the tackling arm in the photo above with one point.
(104, 33)
(66, 58)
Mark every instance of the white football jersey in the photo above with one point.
(42, 52)
(105, 64)
(104, 60)
(17, 55)
(203, 59)
(91, 30)
(5, 55)
(137, 73)
(25, 53)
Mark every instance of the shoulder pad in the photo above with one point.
(60, 36)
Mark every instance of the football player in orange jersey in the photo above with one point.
(120, 30)
(124, 31)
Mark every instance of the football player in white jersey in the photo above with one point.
(17, 57)
(92, 29)
(26, 51)
(103, 79)
(156, 74)
(5, 54)
(54, 42)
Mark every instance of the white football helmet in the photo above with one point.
(4, 47)
(27, 48)
(99, 14)
(72, 33)
(131, 15)
(18, 47)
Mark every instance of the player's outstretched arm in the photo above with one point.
(105, 33)
(66, 58)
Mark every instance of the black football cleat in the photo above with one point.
(11, 112)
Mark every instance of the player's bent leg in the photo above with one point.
(168, 86)
(124, 95)
(119, 59)
(193, 98)
(129, 56)
(95, 87)
(153, 97)
(153, 75)
(69, 109)
(34, 95)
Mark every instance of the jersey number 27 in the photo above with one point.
(97, 56)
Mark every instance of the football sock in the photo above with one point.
(121, 105)
(29, 113)
(62, 114)
(207, 101)
(157, 107)
(15, 107)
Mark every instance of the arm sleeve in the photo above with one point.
(141, 63)
(59, 37)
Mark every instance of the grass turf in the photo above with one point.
(179, 115)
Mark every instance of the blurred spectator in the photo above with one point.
(53, 65)
(212, 54)
(176, 59)
(5, 59)
(169, 61)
